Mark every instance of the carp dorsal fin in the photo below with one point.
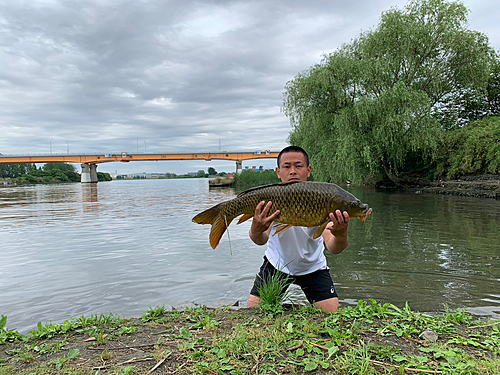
(281, 228)
(321, 229)
(265, 186)
(244, 218)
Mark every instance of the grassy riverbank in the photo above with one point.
(370, 338)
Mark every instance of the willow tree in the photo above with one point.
(388, 94)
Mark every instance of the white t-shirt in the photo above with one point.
(295, 252)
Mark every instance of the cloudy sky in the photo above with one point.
(168, 76)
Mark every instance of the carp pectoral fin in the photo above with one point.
(244, 218)
(281, 228)
(321, 229)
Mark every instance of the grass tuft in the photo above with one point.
(272, 293)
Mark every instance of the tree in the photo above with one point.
(211, 171)
(15, 170)
(65, 167)
(388, 95)
(201, 173)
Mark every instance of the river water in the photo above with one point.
(123, 246)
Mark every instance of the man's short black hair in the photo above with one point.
(293, 149)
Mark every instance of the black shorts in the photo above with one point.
(317, 286)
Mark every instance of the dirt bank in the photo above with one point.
(484, 186)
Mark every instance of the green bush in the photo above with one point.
(101, 176)
(250, 178)
(471, 150)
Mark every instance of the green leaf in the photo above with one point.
(289, 327)
(185, 333)
(317, 350)
(333, 350)
(427, 350)
(227, 368)
(73, 353)
(399, 358)
(311, 366)
(452, 360)
(221, 353)
(299, 352)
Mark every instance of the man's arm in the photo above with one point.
(335, 233)
(261, 223)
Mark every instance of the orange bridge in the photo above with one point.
(89, 161)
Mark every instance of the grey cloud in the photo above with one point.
(180, 75)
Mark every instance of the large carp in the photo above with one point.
(301, 203)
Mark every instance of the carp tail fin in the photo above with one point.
(217, 219)
(207, 216)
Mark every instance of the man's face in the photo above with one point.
(293, 167)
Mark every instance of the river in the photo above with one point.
(123, 246)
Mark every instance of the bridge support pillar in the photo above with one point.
(85, 173)
(239, 167)
(93, 173)
(89, 173)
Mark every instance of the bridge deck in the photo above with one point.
(126, 157)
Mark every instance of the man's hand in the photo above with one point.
(339, 221)
(261, 223)
(335, 234)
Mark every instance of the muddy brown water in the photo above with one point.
(69, 250)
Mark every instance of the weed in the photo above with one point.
(273, 293)
(7, 335)
(153, 314)
(106, 355)
(458, 316)
(126, 330)
(98, 334)
(61, 361)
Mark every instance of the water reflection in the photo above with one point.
(123, 246)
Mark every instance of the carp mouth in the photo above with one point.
(365, 215)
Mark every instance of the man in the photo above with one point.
(294, 251)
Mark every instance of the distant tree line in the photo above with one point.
(400, 99)
(47, 173)
(16, 170)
